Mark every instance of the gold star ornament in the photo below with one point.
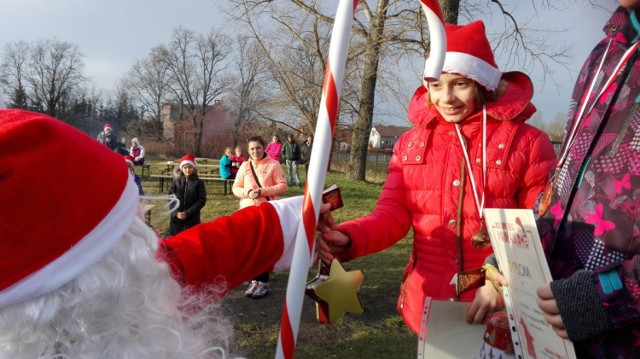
(335, 291)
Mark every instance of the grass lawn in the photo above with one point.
(378, 333)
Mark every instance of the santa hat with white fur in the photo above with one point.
(188, 159)
(57, 226)
(469, 54)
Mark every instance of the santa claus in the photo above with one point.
(81, 274)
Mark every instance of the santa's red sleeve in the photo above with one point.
(235, 248)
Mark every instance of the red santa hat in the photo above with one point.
(469, 54)
(60, 221)
(129, 160)
(106, 125)
(188, 159)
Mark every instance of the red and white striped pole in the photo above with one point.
(327, 117)
(437, 38)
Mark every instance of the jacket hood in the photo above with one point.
(513, 105)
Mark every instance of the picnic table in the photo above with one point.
(166, 167)
(227, 183)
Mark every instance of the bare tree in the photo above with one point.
(393, 29)
(295, 53)
(249, 95)
(196, 65)
(43, 76)
(12, 72)
(147, 83)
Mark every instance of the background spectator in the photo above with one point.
(274, 148)
(129, 160)
(225, 164)
(137, 152)
(236, 160)
(305, 152)
(192, 194)
(291, 155)
(108, 138)
(259, 179)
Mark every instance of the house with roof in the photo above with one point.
(385, 137)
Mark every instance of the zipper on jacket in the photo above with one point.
(406, 280)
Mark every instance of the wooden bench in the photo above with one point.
(147, 213)
(226, 182)
(146, 167)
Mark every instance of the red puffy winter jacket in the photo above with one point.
(422, 190)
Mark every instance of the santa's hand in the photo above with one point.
(329, 242)
(326, 219)
(547, 303)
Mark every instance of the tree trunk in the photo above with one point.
(450, 10)
(361, 131)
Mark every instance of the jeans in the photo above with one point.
(292, 166)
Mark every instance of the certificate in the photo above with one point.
(517, 246)
(445, 334)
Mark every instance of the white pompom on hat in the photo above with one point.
(188, 159)
(61, 221)
(469, 54)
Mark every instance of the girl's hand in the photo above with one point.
(547, 302)
(330, 241)
(253, 194)
(487, 301)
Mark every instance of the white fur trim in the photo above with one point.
(289, 211)
(89, 250)
(438, 46)
(471, 67)
(187, 162)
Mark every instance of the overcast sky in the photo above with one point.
(113, 34)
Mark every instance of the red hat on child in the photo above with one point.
(188, 159)
(106, 125)
(61, 222)
(469, 54)
(129, 159)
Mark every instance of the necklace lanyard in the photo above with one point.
(574, 129)
(479, 201)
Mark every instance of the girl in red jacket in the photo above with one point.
(470, 149)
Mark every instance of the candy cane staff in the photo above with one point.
(82, 275)
(327, 116)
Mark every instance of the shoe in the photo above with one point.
(252, 288)
(261, 290)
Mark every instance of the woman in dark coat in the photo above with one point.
(190, 191)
